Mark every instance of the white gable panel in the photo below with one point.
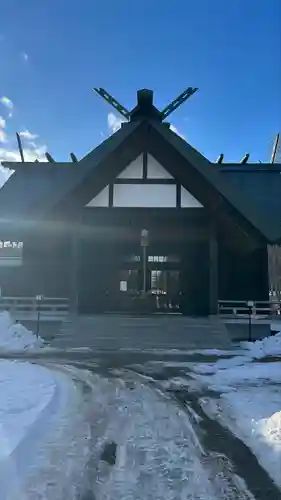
(101, 200)
(134, 170)
(145, 195)
(155, 170)
(188, 201)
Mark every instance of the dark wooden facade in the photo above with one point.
(88, 261)
(196, 254)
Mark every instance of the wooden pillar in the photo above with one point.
(213, 269)
(73, 273)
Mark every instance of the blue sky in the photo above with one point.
(53, 52)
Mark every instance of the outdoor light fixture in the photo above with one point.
(39, 299)
(144, 245)
(250, 305)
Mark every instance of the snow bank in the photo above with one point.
(248, 400)
(27, 393)
(14, 336)
(253, 415)
(42, 425)
(249, 351)
(269, 346)
(26, 389)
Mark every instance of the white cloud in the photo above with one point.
(29, 136)
(114, 122)
(8, 104)
(25, 56)
(175, 130)
(3, 135)
(2, 122)
(30, 154)
(12, 154)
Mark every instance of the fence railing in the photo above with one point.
(241, 307)
(49, 306)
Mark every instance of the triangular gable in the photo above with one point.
(155, 169)
(134, 170)
(208, 185)
(101, 200)
(144, 196)
(35, 189)
(189, 201)
(71, 186)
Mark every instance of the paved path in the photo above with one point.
(130, 332)
(156, 351)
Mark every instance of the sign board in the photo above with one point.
(123, 286)
(144, 238)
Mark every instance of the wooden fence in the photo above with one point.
(50, 307)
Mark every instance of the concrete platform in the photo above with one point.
(115, 332)
(238, 329)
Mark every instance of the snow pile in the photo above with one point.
(271, 429)
(26, 393)
(253, 415)
(42, 425)
(14, 336)
(26, 389)
(247, 399)
(269, 346)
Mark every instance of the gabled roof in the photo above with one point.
(35, 190)
(260, 183)
(239, 202)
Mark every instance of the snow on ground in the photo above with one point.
(269, 346)
(26, 390)
(15, 337)
(247, 398)
(158, 452)
(42, 425)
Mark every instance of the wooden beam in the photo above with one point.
(146, 181)
(145, 162)
(73, 158)
(245, 158)
(178, 195)
(110, 195)
(275, 147)
(49, 158)
(20, 147)
(220, 158)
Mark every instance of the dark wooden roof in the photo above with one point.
(229, 194)
(260, 183)
(36, 190)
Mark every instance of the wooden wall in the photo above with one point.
(243, 275)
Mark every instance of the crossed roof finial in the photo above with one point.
(145, 107)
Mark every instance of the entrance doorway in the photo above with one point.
(161, 284)
(111, 278)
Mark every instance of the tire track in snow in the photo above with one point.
(242, 463)
(225, 479)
